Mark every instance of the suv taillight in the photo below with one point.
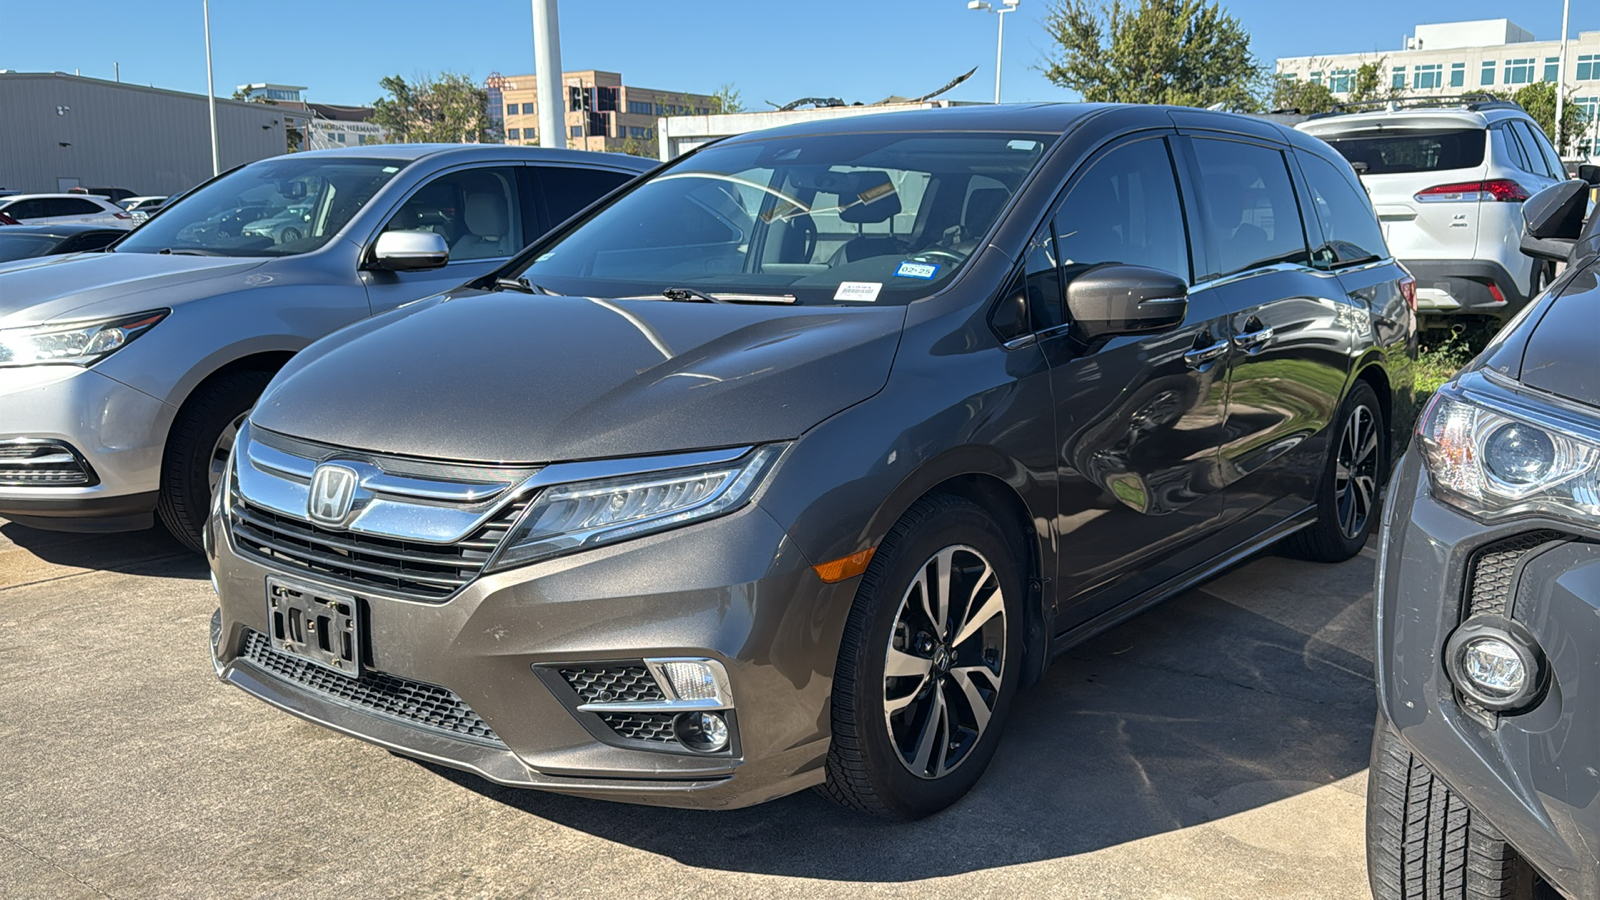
(1408, 289)
(1498, 189)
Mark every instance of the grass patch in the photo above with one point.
(1440, 357)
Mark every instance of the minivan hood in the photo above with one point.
(54, 287)
(506, 377)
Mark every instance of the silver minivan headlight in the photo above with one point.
(566, 518)
(81, 343)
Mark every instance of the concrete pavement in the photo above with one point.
(1215, 747)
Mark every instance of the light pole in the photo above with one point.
(1000, 43)
(211, 93)
(549, 84)
(1561, 75)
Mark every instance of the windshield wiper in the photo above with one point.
(518, 284)
(186, 251)
(682, 293)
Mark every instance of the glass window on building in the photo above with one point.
(1399, 79)
(1487, 77)
(1339, 80)
(1316, 77)
(576, 131)
(1589, 67)
(511, 109)
(1428, 77)
(641, 107)
(1552, 68)
(1519, 71)
(1458, 74)
(529, 109)
(514, 134)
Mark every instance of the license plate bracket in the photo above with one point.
(321, 627)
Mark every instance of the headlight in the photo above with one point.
(1495, 462)
(73, 343)
(566, 518)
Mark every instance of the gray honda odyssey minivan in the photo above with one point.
(791, 463)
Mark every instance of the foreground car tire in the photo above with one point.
(1347, 494)
(929, 663)
(1424, 843)
(197, 450)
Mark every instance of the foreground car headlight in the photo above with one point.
(81, 343)
(566, 518)
(1496, 462)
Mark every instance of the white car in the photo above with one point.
(133, 204)
(52, 209)
(1448, 183)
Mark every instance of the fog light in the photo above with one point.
(1497, 664)
(703, 732)
(704, 681)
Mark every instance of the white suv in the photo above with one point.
(54, 209)
(1448, 183)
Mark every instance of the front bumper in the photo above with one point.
(1460, 287)
(118, 431)
(1536, 774)
(733, 589)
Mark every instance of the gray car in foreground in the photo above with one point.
(1486, 759)
(790, 464)
(124, 375)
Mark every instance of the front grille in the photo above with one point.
(1489, 588)
(420, 571)
(411, 702)
(42, 464)
(613, 684)
(653, 727)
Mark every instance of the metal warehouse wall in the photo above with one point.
(106, 134)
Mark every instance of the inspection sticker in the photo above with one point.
(860, 291)
(916, 270)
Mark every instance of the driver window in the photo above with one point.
(1124, 209)
(476, 211)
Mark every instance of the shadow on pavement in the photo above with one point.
(50, 553)
(1252, 689)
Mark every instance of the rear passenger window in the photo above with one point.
(76, 207)
(566, 191)
(1124, 209)
(1250, 205)
(1513, 145)
(1531, 145)
(1349, 225)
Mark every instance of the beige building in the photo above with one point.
(1462, 57)
(602, 112)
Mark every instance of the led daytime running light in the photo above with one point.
(73, 343)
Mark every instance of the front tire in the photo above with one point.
(197, 450)
(1425, 843)
(929, 664)
(1347, 493)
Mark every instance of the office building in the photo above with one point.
(602, 112)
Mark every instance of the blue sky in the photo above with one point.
(778, 51)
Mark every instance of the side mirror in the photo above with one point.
(1589, 174)
(408, 251)
(1552, 220)
(1116, 299)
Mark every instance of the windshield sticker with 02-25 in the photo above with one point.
(911, 269)
(858, 291)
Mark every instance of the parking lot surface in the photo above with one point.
(1215, 747)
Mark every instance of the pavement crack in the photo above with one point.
(67, 872)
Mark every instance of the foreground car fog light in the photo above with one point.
(701, 681)
(705, 732)
(1497, 664)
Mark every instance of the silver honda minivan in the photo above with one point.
(219, 290)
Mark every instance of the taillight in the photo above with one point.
(1499, 189)
(122, 215)
(1408, 289)
(1494, 291)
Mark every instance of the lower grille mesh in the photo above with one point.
(612, 684)
(654, 727)
(412, 702)
(1493, 567)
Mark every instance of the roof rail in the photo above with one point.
(1473, 102)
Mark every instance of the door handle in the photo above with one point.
(1199, 356)
(1253, 340)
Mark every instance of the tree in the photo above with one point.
(1180, 52)
(1539, 99)
(1308, 97)
(450, 109)
(636, 147)
(1367, 84)
(727, 100)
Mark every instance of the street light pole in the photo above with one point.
(1561, 75)
(547, 75)
(1000, 42)
(211, 93)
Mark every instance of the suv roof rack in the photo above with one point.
(1473, 102)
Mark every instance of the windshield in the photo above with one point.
(853, 218)
(306, 200)
(23, 246)
(1399, 152)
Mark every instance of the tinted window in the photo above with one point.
(1042, 281)
(89, 242)
(1250, 205)
(23, 246)
(26, 209)
(1515, 154)
(1348, 222)
(76, 207)
(566, 191)
(1374, 153)
(1124, 208)
(1531, 145)
(476, 211)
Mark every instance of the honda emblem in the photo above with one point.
(333, 491)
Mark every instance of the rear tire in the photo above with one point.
(1352, 479)
(908, 745)
(1425, 843)
(198, 445)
